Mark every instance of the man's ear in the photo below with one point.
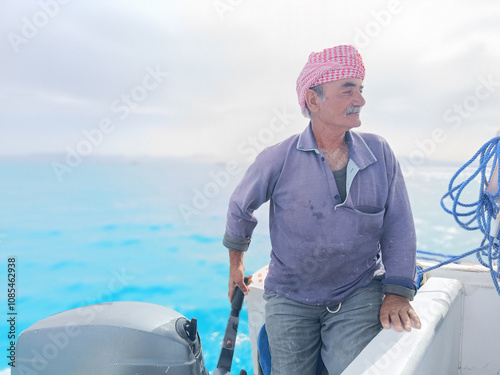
(312, 100)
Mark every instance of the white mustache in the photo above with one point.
(352, 110)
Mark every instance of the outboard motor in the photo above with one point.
(117, 338)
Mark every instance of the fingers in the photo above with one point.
(409, 318)
(405, 320)
(244, 288)
(401, 320)
(396, 321)
(415, 319)
(385, 320)
(239, 283)
(400, 314)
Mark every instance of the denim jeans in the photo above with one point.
(299, 333)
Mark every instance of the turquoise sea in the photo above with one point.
(151, 231)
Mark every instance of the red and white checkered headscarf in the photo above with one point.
(329, 65)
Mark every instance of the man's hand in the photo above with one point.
(237, 273)
(397, 309)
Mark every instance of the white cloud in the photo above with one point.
(227, 74)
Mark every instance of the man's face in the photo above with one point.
(343, 101)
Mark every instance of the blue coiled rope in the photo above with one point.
(480, 214)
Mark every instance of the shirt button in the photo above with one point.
(322, 158)
(337, 197)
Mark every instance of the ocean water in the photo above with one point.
(153, 230)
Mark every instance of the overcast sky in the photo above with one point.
(216, 78)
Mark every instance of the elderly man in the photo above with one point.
(343, 239)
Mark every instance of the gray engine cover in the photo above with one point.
(117, 338)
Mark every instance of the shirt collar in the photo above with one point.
(359, 152)
(306, 140)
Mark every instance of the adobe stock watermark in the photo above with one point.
(379, 20)
(119, 280)
(221, 179)
(31, 26)
(122, 107)
(454, 118)
(221, 7)
(58, 341)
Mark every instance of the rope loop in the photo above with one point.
(480, 214)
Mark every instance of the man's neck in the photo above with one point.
(331, 142)
(328, 139)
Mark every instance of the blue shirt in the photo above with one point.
(323, 248)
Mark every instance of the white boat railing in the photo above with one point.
(459, 309)
(433, 349)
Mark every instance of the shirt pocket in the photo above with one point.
(370, 210)
(361, 227)
(370, 220)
